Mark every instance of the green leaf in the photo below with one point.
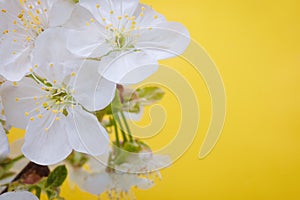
(51, 194)
(57, 177)
(149, 94)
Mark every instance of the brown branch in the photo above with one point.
(30, 174)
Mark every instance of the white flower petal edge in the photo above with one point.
(129, 28)
(4, 145)
(20, 101)
(93, 91)
(98, 180)
(21, 22)
(85, 133)
(18, 195)
(128, 67)
(46, 147)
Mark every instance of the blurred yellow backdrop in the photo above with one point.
(256, 46)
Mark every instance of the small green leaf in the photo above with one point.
(150, 94)
(57, 177)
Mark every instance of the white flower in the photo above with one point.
(145, 163)
(53, 107)
(127, 36)
(4, 145)
(19, 195)
(136, 171)
(115, 184)
(22, 22)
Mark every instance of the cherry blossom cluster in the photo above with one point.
(62, 64)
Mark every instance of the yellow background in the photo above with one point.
(256, 46)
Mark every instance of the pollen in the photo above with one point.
(57, 118)
(45, 104)
(92, 20)
(31, 118)
(103, 19)
(35, 98)
(111, 12)
(155, 17)
(3, 10)
(5, 32)
(26, 114)
(73, 74)
(54, 81)
(14, 22)
(36, 66)
(37, 110)
(31, 70)
(87, 23)
(46, 129)
(15, 83)
(120, 17)
(40, 116)
(97, 5)
(55, 111)
(51, 65)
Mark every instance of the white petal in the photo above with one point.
(4, 145)
(18, 67)
(60, 12)
(84, 36)
(19, 195)
(96, 183)
(119, 7)
(15, 110)
(91, 90)
(46, 147)
(84, 43)
(79, 17)
(149, 17)
(85, 133)
(54, 62)
(164, 40)
(124, 182)
(127, 68)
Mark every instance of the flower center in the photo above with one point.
(27, 24)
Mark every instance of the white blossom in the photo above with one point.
(21, 23)
(117, 181)
(18, 195)
(55, 104)
(128, 38)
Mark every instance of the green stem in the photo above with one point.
(17, 159)
(127, 126)
(116, 116)
(116, 132)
